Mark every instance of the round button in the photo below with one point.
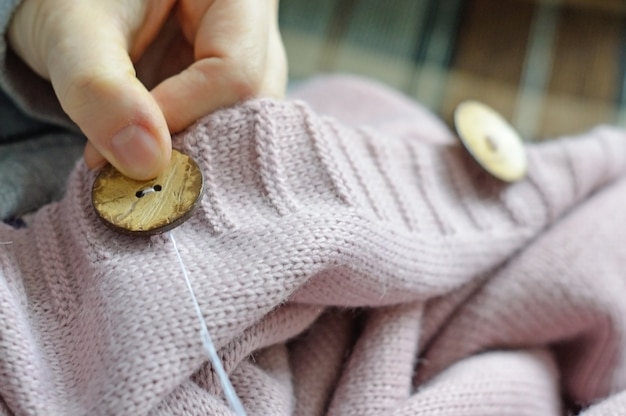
(148, 207)
(491, 141)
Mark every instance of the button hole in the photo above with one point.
(143, 192)
(491, 143)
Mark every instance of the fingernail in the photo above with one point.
(137, 151)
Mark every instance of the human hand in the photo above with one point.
(130, 72)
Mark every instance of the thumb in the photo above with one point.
(94, 79)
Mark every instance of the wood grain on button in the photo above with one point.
(148, 207)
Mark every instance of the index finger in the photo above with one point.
(230, 49)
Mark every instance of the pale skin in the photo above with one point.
(130, 73)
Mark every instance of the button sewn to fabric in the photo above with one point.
(148, 207)
(491, 141)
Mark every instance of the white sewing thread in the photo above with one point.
(227, 386)
(146, 191)
(6, 242)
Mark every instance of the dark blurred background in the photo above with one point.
(552, 67)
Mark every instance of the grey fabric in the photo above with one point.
(15, 125)
(35, 160)
(36, 152)
(33, 172)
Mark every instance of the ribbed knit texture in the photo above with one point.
(343, 268)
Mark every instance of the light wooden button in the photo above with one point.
(491, 140)
(148, 207)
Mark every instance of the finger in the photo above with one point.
(230, 48)
(93, 158)
(274, 82)
(94, 79)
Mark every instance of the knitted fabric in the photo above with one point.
(357, 267)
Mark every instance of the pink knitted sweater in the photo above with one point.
(350, 258)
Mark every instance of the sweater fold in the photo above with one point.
(301, 213)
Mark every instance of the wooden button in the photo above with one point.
(491, 141)
(148, 207)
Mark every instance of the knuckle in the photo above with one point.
(83, 91)
(247, 82)
(79, 91)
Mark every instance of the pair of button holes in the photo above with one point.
(143, 192)
(176, 192)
